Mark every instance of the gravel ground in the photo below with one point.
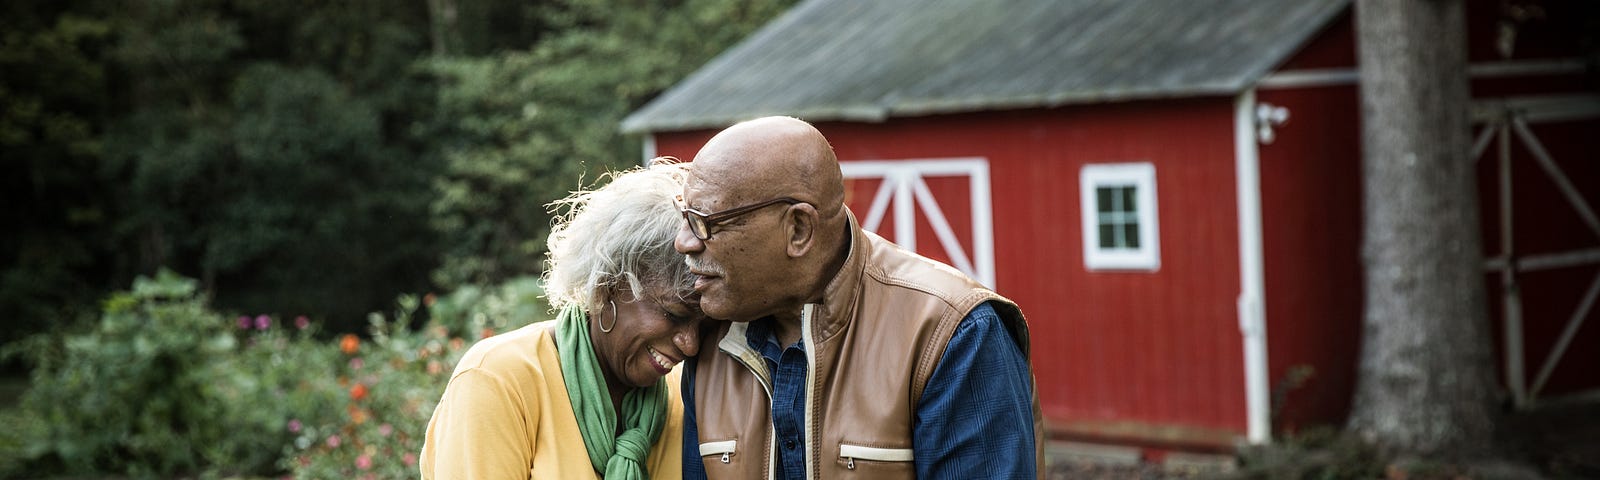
(1070, 470)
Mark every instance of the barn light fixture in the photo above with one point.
(1268, 116)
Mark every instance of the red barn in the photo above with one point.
(1171, 190)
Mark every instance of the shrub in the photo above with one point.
(160, 386)
(387, 387)
(1319, 453)
(471, 309)
(163, 386)
(390, 383)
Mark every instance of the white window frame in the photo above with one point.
(1141, 176)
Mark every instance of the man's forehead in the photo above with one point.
(701, 188)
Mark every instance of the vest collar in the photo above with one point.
(838, 305)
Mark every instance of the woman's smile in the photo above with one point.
(661, 362)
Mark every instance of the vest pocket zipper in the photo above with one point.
(849, 453)
(725, 448)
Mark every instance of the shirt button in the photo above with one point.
(788, 444)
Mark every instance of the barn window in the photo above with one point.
(1119, 216)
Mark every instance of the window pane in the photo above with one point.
(1130, 235)
(1108, 236)
(1103, 196)
(1128, 203)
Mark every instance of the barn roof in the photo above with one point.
(869, 60)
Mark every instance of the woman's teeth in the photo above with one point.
(661, 360)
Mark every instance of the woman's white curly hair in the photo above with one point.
(619, 233)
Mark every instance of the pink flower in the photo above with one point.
(263, 321)
(294, 426)
(356, 363)
(333, 441)
(364, 462)
(301, 322)
(385, 429)
(244, 322)
(409, 459)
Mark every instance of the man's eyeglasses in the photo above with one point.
(701, 223)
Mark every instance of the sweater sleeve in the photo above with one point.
(476, 431)
(975, 417)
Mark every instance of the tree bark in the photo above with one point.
(1426, 384)
(444, 28)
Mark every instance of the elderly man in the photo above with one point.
(845, 355)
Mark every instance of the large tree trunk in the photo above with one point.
(1426, 384)
(444, 29)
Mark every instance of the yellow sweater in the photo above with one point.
(506, 415)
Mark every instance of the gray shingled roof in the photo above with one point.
(867, 60)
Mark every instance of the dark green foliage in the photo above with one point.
(273, 167)
(51, 98)
(311, 157)
(523, 128)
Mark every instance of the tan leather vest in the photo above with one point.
(872, 344)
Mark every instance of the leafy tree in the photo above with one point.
(269, 149)
(526, 127)
(52, 97)
(315, 157)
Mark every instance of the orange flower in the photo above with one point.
(349, 344)
(358, 392)
(456, 343)
(357, 416)
(427, 300)
(486, 333)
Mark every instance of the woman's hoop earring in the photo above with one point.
(603, 327)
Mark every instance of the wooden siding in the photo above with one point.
(1311, 240)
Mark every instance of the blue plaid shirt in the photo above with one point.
(974, 420)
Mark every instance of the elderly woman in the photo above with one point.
(584, 396)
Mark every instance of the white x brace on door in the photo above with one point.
(1502, 119)
(903, 185)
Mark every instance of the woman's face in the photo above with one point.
(652, 334)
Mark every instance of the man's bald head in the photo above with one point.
(773, 157)
(768, 261)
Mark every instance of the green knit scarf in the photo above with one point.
(644, 409)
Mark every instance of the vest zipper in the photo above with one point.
(744, 356)
(806, 313)
(726, 448)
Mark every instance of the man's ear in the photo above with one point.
(801, 222)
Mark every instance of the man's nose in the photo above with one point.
(686, 243)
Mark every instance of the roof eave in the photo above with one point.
(640, 123)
